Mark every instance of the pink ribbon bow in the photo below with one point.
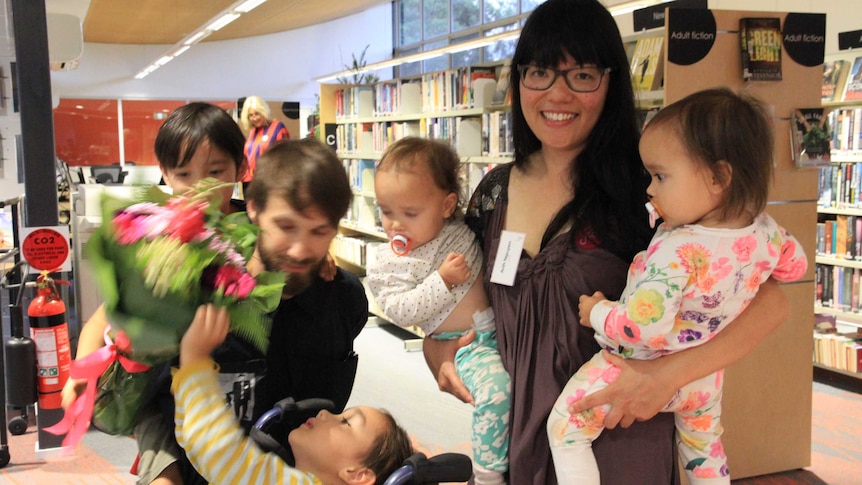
(76, 420)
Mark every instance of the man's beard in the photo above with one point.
(294, 283)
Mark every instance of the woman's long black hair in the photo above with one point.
(608, 176)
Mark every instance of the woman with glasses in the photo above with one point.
(568, 214)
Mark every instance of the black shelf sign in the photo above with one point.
(849, 40)
(804, 36)
(691, 34)
(653, 17)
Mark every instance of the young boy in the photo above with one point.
(198, 140)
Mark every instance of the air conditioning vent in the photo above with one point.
(65, 41)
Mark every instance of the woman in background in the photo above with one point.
(263, 131)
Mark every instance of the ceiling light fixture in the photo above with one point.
(223, 18)
(422, 56)
(629, 7)
(615, 10)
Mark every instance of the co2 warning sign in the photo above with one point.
(46, 248)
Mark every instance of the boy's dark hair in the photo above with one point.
(440, 159)
(718, 125)
(389, 451)
(190, 125)
(306, 173)
(609, 180)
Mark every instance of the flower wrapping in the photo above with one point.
(157, 258)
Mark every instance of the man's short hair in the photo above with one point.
(306, 173)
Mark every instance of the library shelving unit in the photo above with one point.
(839, 222)
(456, 105)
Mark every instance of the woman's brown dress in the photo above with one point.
(542, 345)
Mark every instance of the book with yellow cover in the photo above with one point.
(834, 78)
(647, 64)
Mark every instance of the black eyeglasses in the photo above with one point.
(578, 79)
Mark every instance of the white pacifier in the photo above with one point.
(400, 245)
(654, 214)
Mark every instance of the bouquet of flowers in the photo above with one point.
(156, 259)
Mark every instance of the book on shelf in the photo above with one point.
(824, 182)
(853, 86)
(483, 84)
(841, 351)
(630, 49)
(760, 42)
(857, 239)
(820, 238)
(834, 78)
(467, 139)
(838, 287)
(502, 93)
(811, 137)
(840, 236)
(825, 323)
(846, 128)
(828, 247)
(647, 64)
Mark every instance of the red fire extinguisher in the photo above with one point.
(50, 331)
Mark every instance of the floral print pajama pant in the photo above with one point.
(697, 410)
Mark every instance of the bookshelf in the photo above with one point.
(462, 106)
(839, 223)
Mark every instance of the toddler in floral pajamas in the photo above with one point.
(710, 159)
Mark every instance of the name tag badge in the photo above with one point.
(508, 256)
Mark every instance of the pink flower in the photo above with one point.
(743, 247)
(716, 450)
(188, 219)
(610, 374)
(721, 268)
(234, 282)
(128, 227)
(638, 265)
(577, 396)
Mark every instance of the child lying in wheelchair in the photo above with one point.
(361, 446)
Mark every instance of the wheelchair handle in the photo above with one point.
(446, 467)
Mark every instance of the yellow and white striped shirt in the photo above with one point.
(214, 441)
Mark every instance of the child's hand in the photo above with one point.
(586, 304)
(71, 390)
(328, 268)
(454, 270)
(208, 330)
